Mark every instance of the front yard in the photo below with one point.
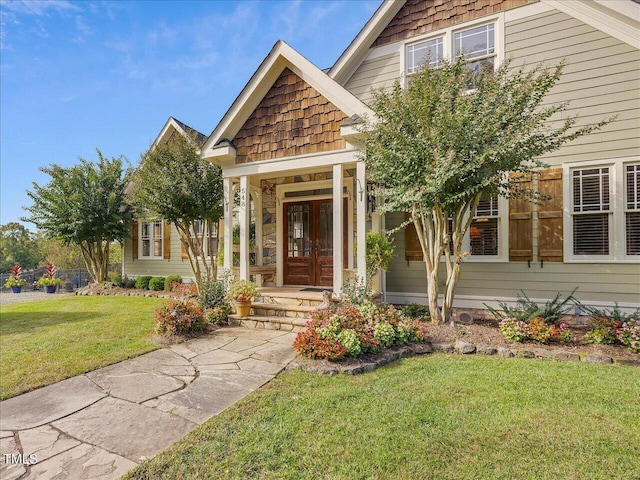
(46, 341)
(436, 416)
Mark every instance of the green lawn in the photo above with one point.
(437, 416)
(43, 342)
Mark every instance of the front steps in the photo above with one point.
(280, 309)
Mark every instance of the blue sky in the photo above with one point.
(81, 75)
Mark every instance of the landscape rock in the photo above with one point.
(464, 348)
(505, 352)
(596, 359)
(443, 347)
(522, 353)
(485, 350)
(422, 348)
(566, 356)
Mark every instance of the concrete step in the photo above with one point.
(278, 310)
(269, 322)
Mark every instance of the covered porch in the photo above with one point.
(298, 227)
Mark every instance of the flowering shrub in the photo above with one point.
(352, 330)
(514, 330)
(384, 332)
(564, 334)
(541, 332)
(629, 335)
(604, 330)
(177, 316)
(188, 290)
(537, 329)
(218, 315)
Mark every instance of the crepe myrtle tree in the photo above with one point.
(450, 138)
(174, 183)
(84, 205)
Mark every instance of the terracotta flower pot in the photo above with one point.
(243, 309)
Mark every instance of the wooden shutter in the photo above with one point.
(550, 238)
(134, 240)
(412, 248)
(166, 240)
(183, 251)
(520, 221)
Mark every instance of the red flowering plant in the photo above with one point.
(178, 317)
(351, 330)
(15, 277)
(49, 277)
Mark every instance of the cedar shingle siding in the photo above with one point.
(417, 17)
(292, 119)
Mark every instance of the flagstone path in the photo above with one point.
(101, 424)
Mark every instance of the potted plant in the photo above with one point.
(49, 280)
(15, 280)
(242, 292)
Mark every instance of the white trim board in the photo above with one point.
(473, 301)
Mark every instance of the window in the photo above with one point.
(419, 54)
(602, 219)
(632, 209)
(591, 211)
(477, 44)
(484, 228)
(210, 240)
(151, 239)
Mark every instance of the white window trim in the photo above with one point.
(140, 241)
(617, 224)
(447, 40)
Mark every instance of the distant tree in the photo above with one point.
(18, 246)
(84, 205)
(448, 139)
(175, 184)
(63, 256)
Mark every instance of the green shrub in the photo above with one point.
(142, 283)
(526, 309)
(156, 284)
(347, 330)
(128, 282)
(117, 280)
(171, 279)
(416, 310)
(212, 294)
(218, 315)
(179, 317)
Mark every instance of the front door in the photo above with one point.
(308, 249)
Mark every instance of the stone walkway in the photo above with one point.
(101, 424)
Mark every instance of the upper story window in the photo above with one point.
(419, 54)
(151, 239)
(477, 44)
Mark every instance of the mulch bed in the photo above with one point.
(482, 337)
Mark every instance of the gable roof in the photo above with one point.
(280, 57)
(618, 18)
(174, 125)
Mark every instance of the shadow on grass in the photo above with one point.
(27, 322)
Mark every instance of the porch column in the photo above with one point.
(244, 214)
(228, 222)
(338, 227)
(361, 221)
